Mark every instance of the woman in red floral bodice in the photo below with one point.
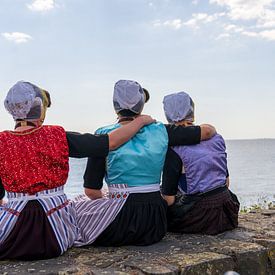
(38, 221)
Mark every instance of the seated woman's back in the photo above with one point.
(200, 173)
(34, 160)
(205, 165)
(140, 160)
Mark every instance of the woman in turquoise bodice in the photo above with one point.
(134, 212)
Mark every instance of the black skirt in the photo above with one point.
(142, 221)
(32, 237)
(211, 213)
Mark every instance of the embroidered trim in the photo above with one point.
(12, 211)
(118, 195)
(51, 211)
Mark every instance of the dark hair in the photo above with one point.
(127, 113)
(49, 98)
(147, 95)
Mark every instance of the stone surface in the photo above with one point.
(250, 249)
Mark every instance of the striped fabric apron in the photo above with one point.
(58, 209)
(94, 216)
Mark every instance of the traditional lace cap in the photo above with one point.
(178, 106)
(25, 101)
(128, 95)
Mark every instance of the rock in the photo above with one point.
(249, 249)
(152, 265)
(268, 212)
(270, 244)
(250, 258)
(202, 263)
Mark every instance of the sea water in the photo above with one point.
(251, 165)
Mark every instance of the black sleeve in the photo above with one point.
(2, 190)
(94, 173)
(87, 145)
(171, 173)
(180, 135)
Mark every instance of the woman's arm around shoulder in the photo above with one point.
(207, 131)
(89, 145)
(126, 132)
(181, 135)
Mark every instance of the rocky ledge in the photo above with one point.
(250, 249)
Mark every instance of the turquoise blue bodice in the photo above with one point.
(139, 161)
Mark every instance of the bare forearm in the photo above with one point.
(126, 132)
(207, 131)
(227, 182)
(93, 194)
(169, 199)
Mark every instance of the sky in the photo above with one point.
(222, 52)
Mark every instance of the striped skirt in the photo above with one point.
(44, 219)
(95, 217)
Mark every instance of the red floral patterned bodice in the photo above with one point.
(34, 160)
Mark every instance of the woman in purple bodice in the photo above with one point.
(195, 180)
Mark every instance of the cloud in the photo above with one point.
(195, 22)
(157, 23)
(230, 30)
(233, 28)
(223, 36)
(174, 24)
(268, 34)
(201, 18)
(42, 5)
(17, 37)
(262, 11)
(247, 18)
(250, 34)
(195, 2)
